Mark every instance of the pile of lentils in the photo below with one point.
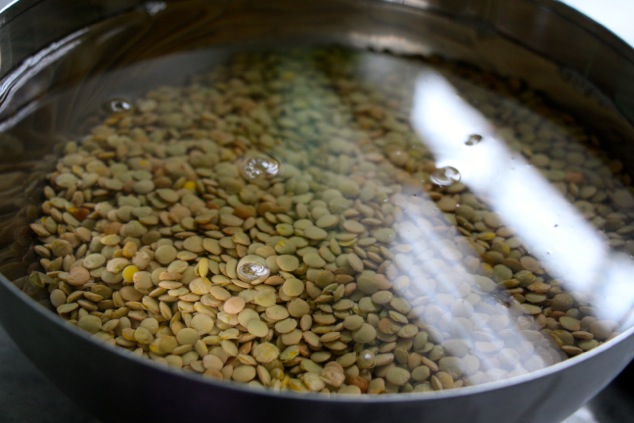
(277, 222)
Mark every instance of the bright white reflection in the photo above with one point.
(457, 315)
(154, 7)
(583, 415)
(551, 229)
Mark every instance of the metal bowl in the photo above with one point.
(529, 39)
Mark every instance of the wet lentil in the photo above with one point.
(300, 265)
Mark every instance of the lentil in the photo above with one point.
(309, 265)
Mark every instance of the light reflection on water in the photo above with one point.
(488, 322)
(486, 329)
(550, 227)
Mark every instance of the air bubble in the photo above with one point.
(445, 176)
(259, 165)
(252, 269)
(118, 105)
(366, 359)
(473, 139)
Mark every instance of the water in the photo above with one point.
(479, 233)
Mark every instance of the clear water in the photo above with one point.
(478, 232)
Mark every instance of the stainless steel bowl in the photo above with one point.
(551, 46)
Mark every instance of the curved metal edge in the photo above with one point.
(27, 26)
(491, 8)
(485, 10)
(42, 312)
(579, 43)
(599, 30)
(14, 9)
(318, 398)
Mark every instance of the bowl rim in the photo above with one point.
(316, 397)
(16, 7)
